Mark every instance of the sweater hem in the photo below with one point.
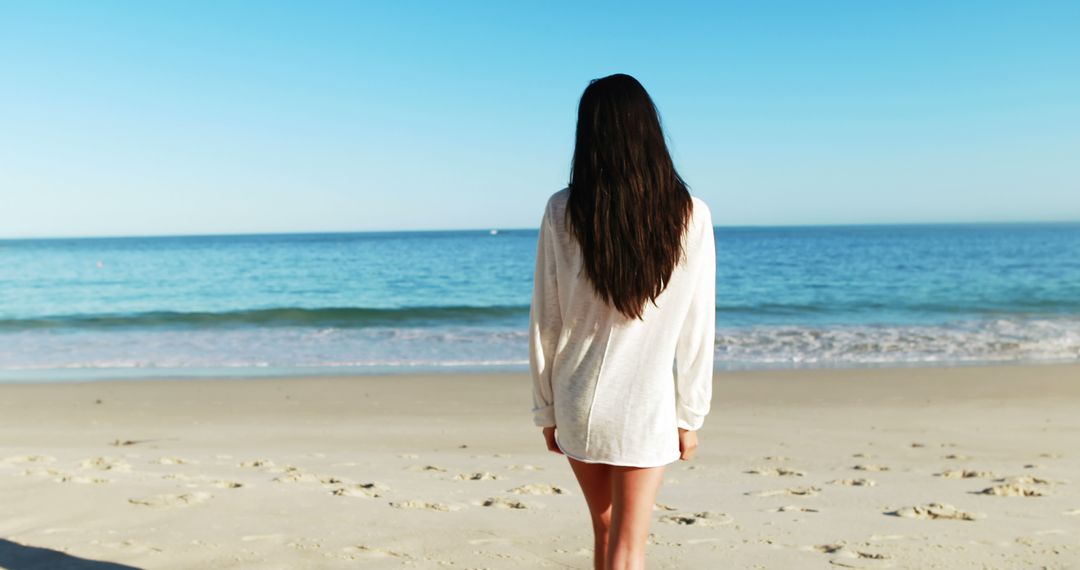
(612, 462)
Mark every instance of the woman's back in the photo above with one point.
(606, 380)
(621, 327)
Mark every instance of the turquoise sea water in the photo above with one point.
(786, 296)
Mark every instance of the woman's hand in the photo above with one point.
(687, 444)
(549, 437)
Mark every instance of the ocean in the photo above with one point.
(250, 305)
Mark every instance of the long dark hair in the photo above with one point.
(628, 208)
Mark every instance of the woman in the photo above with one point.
(623, 315)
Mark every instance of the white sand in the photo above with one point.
(972, 467)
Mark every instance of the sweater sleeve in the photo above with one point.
(694, 350)
(545, 325)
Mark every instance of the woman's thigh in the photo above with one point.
(634, 491)
(596, 485)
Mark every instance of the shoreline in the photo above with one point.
(796, 469)
(83, 375)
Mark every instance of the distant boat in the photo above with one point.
(493, 232)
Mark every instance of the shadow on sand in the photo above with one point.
(15, 556)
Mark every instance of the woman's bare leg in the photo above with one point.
(595, 481)
(633, 494)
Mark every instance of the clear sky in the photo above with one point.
(145, 118)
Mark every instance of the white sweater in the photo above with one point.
(617, 389)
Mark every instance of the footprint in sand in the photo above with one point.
(807, 491)
(82, 480)
(198, 480)
(257, 464)
(366, 490)
(539, 489)
(434, 468)
(44, 472)
(1029, 480)
(958, 456)
(965, 474)
(62, 477)
(860, 482)
(172, 461)
(703, 518)
(105, 463)
(423, 505)
(917, 444)
(297, 476)
(503, 503)
(934, 511)
(355, 491)
(126, 442)
(776, 472)
(1034, 466)
(228, 484)
(173, 501)
(792, 509)
(282, 469)
(846, 556)
(304, 544)
(663, 507)
(864, 455)
(525, 467)
(1011, 490)
(776, 458)
(408, 456)
(28, 459)
(478, 476)
(869, 467)
(654, 540)
(1051, 455)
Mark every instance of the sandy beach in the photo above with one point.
(966, 467)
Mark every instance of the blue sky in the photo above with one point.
(146, 118)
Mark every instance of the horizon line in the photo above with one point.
(502, 229)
